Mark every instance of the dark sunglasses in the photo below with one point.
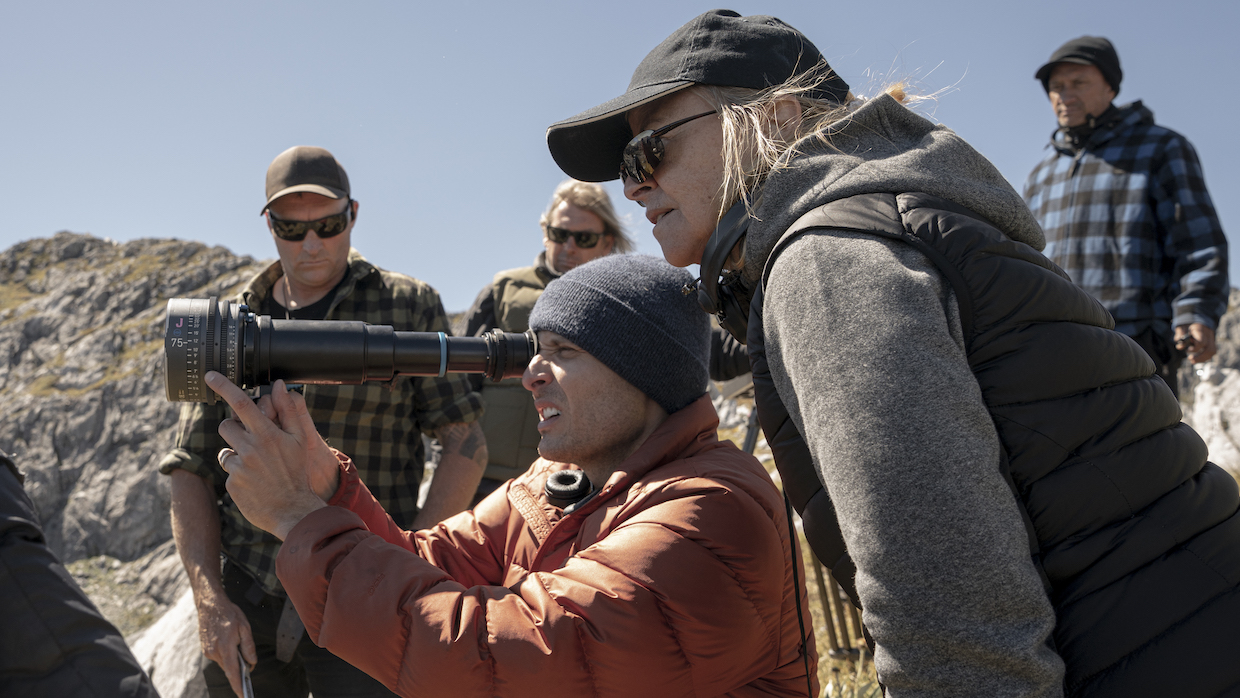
(584, 239)
(645, 151)
(325, 227)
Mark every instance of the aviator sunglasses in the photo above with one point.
(325, 227)
(645, 151)
(584, 239)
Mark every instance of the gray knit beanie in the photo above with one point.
(628, 312)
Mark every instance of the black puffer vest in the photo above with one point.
(1136, 536)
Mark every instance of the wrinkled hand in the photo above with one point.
(283, 469)
(222, 630)
(1197, 340)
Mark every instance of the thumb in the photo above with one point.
(294, 416)
(248, 651)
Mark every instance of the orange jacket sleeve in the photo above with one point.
(660, 605)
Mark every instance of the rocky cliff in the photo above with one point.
(81, 337)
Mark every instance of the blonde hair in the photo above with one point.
(593, 198)
(754, 145)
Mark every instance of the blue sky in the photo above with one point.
(157, 119)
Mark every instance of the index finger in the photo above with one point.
(245, 409)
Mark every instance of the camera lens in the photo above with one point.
(203, 335)
(200, 335)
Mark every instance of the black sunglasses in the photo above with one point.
(325, 227)
(584, 239)
(645, 151)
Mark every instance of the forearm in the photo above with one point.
(906, 447)
(456, 478)
(1204, 280)
(196, 530)
(1194, 238)
(728, 357)
(223, 630)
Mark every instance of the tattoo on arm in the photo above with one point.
(464, 439)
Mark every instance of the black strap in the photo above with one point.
(796, 594)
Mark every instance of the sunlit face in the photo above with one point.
(313, 263)
(682, 197)
(589, 415)
(563, 256)
(1077, 92)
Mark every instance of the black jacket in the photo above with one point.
(1135, 534)
(54, 642)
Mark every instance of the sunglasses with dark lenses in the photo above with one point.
(325, 227)
(584, 239)
(645, 151)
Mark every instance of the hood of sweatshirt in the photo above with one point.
(1114, 121)
(882, 147)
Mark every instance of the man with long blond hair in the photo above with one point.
(579, 225)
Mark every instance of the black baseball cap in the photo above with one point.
(1085, 50)
(305, 168)
(720, 48)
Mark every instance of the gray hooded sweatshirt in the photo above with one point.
(865, 346)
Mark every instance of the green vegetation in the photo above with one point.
(13, 295)
(44, 385)
(128, 362)
(151, 265)
(117, 598)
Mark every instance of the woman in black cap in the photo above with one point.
(1013, 499)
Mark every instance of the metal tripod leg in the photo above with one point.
(840, 615)
(833, 642)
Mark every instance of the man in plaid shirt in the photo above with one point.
(1126, 212)
(243, 610)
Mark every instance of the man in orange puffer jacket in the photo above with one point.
(638, 556)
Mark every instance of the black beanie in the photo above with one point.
(628, 311)
(1085, 50)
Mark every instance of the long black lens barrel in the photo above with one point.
(252, 350)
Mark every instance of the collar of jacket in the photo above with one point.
(540, 262)
(1114, 121)
(261, 285)
(685, 433)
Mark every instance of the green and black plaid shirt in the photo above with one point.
(378, 425)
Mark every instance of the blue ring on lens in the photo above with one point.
(443, 354)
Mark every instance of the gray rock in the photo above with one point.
(81, 365)
(1210, 393)
(170, 654)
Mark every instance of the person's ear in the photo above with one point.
(786, 115)
(355, 206)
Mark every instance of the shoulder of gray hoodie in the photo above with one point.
(864, 342)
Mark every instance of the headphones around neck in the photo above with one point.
(723, 293)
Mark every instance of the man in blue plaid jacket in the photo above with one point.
(1124, 205)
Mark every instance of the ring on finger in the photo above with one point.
(223, 456)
